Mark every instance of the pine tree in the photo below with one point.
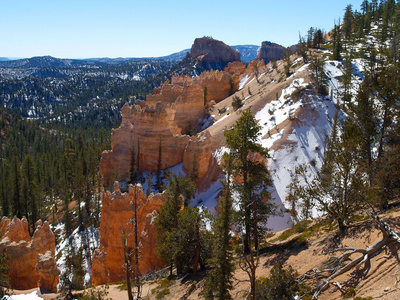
(133, 168)
(168, 228)
(4, 278)
(251, 184)
(219, 279)
(318, 39)
(310, 36)
(5, 205)
(346, 80)
(347, 24)
(317, 74)
(288, 62)
(302, 49)
(158, 172)
(30, 193)
(337, 188)
(337, 43)
(205, 96)
(362, 115)
(16, 199)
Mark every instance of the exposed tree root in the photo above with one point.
(321, 278)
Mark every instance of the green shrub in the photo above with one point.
(280, 285)
(350, 293)
(162, 294)
(237, 102)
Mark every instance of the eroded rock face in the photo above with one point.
(24, 254)
(212, 52)
(164, 118)
(117, 211)
(270, 51)
(48, 271)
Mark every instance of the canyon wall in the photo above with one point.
(270, 51)
(31, 261)
(116, 213)
(163, 119)
(210, 52)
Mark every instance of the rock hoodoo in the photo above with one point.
(270, 51)
(31, 261)
(117, 210)
(212, 53)
(164, 118)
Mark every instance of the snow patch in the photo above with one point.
(31, 296)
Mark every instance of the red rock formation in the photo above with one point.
(117, 210)
(47, 269)
(165, 116)
(198, 155)
(212, 52)
(270, 51)
(23, 253)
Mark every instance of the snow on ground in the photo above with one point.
(89, 237)
(305, 144)
(306, 147)
(275, 112)
(208, 198)
(31, 296)
(245, 81)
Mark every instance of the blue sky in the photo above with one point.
(129, 28)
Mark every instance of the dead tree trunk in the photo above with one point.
(335, 266)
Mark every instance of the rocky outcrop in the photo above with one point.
(48, 271)
(164, 118)
(212, 53)
(270, 51)
(24, 254)
(116, 213)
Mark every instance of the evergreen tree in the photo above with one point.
(347, 24)
(251, 184)
(30, 194)
(310, 36)
(288, 62)
(346, 80)
(205, 96)
(176, 224)
(133, 168)
(337, 188)
(362, 115)
(318, 39)
(317, 74)
(302, 49)
(4, 278)
(16, 199)
(158, 173)
(5, 205)
(219, 279)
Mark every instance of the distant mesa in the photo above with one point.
(270, 51)
(212, 53)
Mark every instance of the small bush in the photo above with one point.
(296, 94)
(350, 293)
(96, 293)
(297, 228)
(162, 294)
(236, 103)
(280, 285)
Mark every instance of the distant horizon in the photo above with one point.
(132, 29)
(105, 57)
